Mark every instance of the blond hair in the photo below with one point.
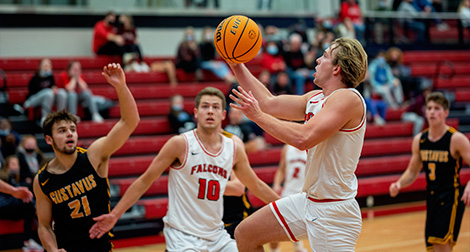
(349, 54)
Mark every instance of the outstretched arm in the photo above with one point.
(20, 192)
(288, 107)
(102, 148)
(172, 151)
(248, 177)
(412, 171)
(343, 109)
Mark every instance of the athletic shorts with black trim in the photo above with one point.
(443, 217)
(329, 226)
(177, 241)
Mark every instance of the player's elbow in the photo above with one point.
(302, 142)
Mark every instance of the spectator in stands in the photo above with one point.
(180, 120)
(208, 61)
(31, 159)
(272, 59)
(409, 18)
(106, 41)
(350, 9)
(188, 56)
(240, 126)
(295, 61)
(72, 80)
(345, 29)
(411, 85)
(168, 67)
(265, 78)
(311, 57)
(133, 59)
(440, 150)
(272, 33)
(282, 84)
(376, 107)
(415, 111)
(43, 92)
(384, 83)
(10, 139)
(464, 12)
(19, 204)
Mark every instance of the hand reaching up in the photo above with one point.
(114, 75)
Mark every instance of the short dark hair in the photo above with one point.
(210, 91)
(438, 98)
(54, 117)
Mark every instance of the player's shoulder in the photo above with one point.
(458, 137)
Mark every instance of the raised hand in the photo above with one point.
(103, 224)
(246, 103)
(114, 75)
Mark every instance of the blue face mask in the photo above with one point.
(177, 107)
(272, 50)
(380, 61)
(46, 73)
(189, 37)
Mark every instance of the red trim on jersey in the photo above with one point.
(234, 152)
(185, 155)
(314, 96)
(204, 149)
(356, 128)
(292, 236)
(324, 200)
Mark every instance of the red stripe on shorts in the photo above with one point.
(284, 222)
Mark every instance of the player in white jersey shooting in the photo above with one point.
(326, 212)
(200, 163)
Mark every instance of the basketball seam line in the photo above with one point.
(239, 37)
(225, 31)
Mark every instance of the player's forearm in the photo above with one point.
(250, 83)
(128, 107)
(6, 188)
(264, 192)
(48, 238)
(130, 197)
(407, 179)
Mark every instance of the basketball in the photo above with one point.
(237, 39)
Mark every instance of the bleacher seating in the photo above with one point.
(385, 153)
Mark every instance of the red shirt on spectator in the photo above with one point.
(352, 11)
(64, 79)
(100, 34)
(273, 64)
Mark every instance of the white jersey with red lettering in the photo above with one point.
(331, 164)
(196, 188)
(295, 170)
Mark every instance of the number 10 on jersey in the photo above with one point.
(209, 190)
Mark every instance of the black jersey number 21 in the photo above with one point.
(76, 206)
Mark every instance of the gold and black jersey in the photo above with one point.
(77, 196)
(442, 170)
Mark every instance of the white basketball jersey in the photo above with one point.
(196, 188)
(295, 170)
(331, 164)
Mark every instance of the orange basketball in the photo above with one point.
(237, 39)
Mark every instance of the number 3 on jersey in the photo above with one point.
(213, 189)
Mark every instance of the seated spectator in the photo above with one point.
(282, 84)
(73, 82)
(295, 61)
(464, 13)
(384, 83)
(12, 208)
(180, 120)
(10, 139)
(272, 60)
(188, 56)
(410, 19)
(208, 61)
(350, 9)
(106, 41)
(43, 92)
(241, 128)
(346, 29)
(168, 67)
(411, 85)
(265, 78)
(133, 59)
(31, 159)
(416, 110)
(376, 107)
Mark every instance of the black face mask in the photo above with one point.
(29, 151)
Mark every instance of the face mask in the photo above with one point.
(14, 172)
(177, 107)
(380, 61)
(209, 37)
(45, 73)
(272, 50)
(189, 37)
(29, 151)
(4, 132)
